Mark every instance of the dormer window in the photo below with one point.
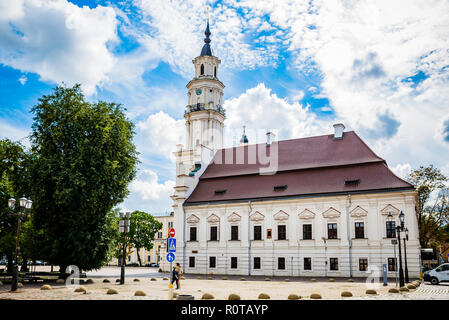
(202, 69)
(353, 182)
(280, 188)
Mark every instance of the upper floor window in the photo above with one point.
(213, 233)
(192, 233)
(307, 232)
(391, 229)
(282, 232)
(359, 230)
(332, 231)
(234, 232)
(159, 235)
(170, 224)
(257, 232)
(202, 69)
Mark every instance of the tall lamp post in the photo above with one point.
(25, 207)
(399, 229)
(124, 229)
(405, 255)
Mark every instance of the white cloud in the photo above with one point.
(148, 194)
(58, 40)
(14, 133)
(261, 110)
(402, 170)
(23, 79)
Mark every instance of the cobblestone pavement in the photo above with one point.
(423, 292)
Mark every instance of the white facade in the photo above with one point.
(238, 256)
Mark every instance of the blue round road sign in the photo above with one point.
(170, 257)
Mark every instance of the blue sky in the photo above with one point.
(307, 64)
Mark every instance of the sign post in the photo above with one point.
(171, 247)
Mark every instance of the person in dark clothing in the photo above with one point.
(175, 277)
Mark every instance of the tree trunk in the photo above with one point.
(9, 265)
(138, 257)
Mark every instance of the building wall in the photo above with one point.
(372, 209)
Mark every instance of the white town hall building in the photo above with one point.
(315, 206)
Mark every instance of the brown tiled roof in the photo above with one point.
(308, 167)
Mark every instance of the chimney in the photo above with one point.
(270, 138)
(338, 131)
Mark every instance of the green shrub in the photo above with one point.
(370, 291)
(393, 290)
(139, 293)
(80, 289)
(136, 280)
(315, 296)
(46, 287)
(263, 296)
(207, 296)
(234, 296)
(112, 291)
(346, 294)
(293, 296)
(404, 289)
(106, 281)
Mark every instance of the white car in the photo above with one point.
(437, 275)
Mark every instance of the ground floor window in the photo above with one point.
(391, 264)
(212, 262)
(307, 263)
(281, 263)
(333, 264)
(363, 264)
(149, 258)
(256, 263)
(233, 262)
(191, 262)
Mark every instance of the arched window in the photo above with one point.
(202, 69)
(215, 72)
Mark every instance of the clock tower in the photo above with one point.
(204, 113)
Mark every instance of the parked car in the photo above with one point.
(132, 264)
(437, 275)
(153, 265)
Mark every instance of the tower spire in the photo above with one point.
(207, 51)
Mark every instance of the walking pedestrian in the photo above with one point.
(175, 277)
(179, 269)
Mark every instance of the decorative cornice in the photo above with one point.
(358, 212)
(331, 213)
(192, 219)
(306, 214)
(234, 217)
(281, 216)
(389, 208)
(213, 218)
(257, 216)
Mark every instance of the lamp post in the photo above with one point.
(405, 255)
(399, 229)
(25, 207)
(124, 229)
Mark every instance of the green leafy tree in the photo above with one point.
(142, 230)
(433, 205)
(85, 159)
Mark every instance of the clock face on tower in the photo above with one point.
(198, 92)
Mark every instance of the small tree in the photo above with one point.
(432, 211)
(142, 230)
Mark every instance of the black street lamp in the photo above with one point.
(405, 255)
(25, 207)
(399, 229)
(124, 228)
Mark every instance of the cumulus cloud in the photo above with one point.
(58, 40)
(402, 170)
(23, 79)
